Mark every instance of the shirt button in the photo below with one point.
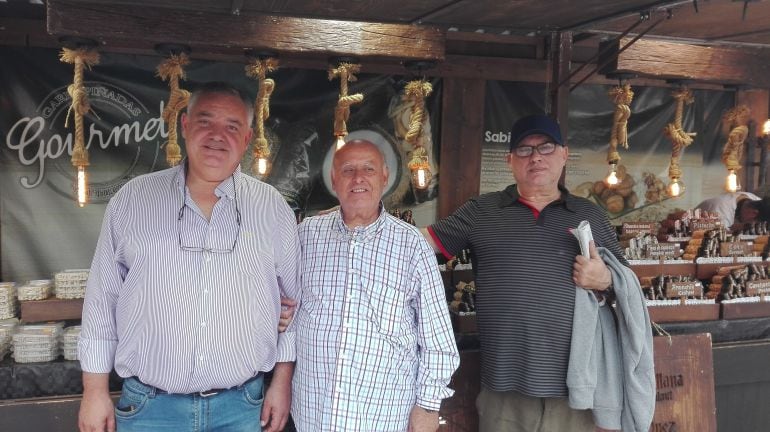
(203, 323)
(205, 291)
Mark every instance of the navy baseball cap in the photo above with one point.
(535, 124)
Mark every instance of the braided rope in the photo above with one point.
(621, 96)
(679, 138)
(258, 69)
(80, 106)
(345, 71)
(737, 119)
(172, 70)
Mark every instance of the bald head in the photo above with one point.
(359, 176)
(362, 145)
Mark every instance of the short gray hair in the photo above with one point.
(222, 88)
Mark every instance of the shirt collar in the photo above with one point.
(361, 233)
(226, 188)
(511, 194)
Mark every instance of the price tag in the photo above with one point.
(704, 224)
(734, 249)
(640, 228)
(684, 289)
(663, 250)
(758, 287)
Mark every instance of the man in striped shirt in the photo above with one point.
(375, 349)
(527, 265)
(183, 298)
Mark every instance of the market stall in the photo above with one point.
(643, 118)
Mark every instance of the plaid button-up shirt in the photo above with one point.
(373, 331)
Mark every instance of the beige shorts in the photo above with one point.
(514, 412)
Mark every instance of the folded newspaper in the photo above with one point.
(584, 236)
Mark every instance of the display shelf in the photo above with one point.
(707, 267)
(652, 268)
(51, 310)
(684, 313)
(759, 309)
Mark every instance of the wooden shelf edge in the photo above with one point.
(52, 309)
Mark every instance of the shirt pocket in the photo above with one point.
(388, 305)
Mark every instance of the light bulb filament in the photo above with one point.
(82, 183)
(262, 166)
(732, 181)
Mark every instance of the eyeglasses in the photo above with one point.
(201, 248)
(545, 148)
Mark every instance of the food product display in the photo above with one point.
(70, 342)
(7, 327)
(37, 343)
(7, 300)
(464, 298)
(70, 284)
(35, 290)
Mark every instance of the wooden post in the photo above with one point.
(757, 100)
(561, 46)
(462, 130)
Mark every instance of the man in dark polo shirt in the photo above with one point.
(527, 265)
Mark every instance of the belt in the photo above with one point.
(204, 393)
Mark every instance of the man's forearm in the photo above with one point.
(95, 383)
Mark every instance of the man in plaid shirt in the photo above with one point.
(375, 348)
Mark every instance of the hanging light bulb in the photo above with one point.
(421, 177)
(82, 186)
(675, 188)
(612, 177)
(339, 142)
(262, 166)
(731, 184)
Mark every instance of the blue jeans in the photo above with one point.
(144, 408)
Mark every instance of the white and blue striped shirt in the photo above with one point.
(373, 331)
(182, 320)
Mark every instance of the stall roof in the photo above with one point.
(738, 22)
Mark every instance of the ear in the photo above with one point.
(249, 133)
(184, 124)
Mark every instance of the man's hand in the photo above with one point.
(275, 409)
(288, 307)
(591, 273)
(97, 414)
(422, 420)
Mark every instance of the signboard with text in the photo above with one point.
(684, 374)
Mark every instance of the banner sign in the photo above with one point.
(41, 228)
(643, 168)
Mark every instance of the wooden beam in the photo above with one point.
(146, 26)
(664, 60)
(462, 129)
(561, 46)
(758, 101)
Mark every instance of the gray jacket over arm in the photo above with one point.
(611, 367)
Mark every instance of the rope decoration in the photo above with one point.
(737, 119)
(416, 92)
(172, 70)
(621, 96)
(258, 69)
(345, 71)
(80, 106)
(679, 138)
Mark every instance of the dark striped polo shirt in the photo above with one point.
(525, 293)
